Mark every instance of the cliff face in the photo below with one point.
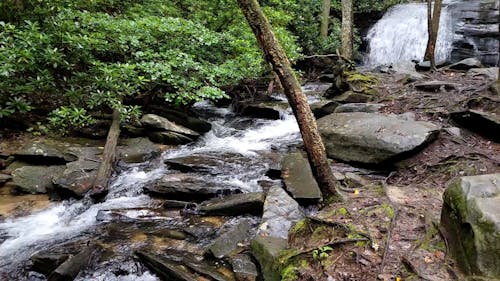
(476, 30)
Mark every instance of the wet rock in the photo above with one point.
(163, 124)
(322, 109)
(77, 179)
(197, 265)
(213, 164)
(189, 187)
(138, 150)
(164, 268)
(175, 204)
(466, 64)
(36, 179)
(434, 86)
(234, 205)
(359, 107)
(471, 219)
(298, 178)
(46, 263)
(266, 110)
(244, 268)
(171, 138)
(69, 269)
(372, 137)
(490, 73)
(352, 97)
(481, 122)
(229, 241)
(45, 153)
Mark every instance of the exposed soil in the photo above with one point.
(389, 227)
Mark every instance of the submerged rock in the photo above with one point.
(138, 150)
(481, 122)
(471, 219)
(229, 241)
(372, 137)
(298, 178)
(234, 205)
(36, 179)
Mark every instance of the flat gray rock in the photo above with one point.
(298, 178)
(372, 137)
(489, 72)
(234, 205)
(229, 241)
(434, 86)
(36, 179)
(471, 219)
(482, 122)
(359, 107)
(244, 268)
(77, 178)
(45, 153)
(466, 64)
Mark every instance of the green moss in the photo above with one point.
(289, 273)
(319, 233)
(388, 209)
(343, 211)
(300, 227)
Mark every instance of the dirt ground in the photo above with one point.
(389, 227)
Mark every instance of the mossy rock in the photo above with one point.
(471, 219)
(362, 82)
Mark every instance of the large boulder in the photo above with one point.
(299, 180)
(36, 179)
(372, 137)
(471, 219)
(77, 179)
(281, 212)
(187, 120)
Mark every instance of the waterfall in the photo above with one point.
(401, 35)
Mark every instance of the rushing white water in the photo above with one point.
(69, 219)
(401, 35)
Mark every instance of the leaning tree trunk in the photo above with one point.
(347, 32)
(100, 185)
(275, 55)
(325, 18)
(498, 64)
(430, 52)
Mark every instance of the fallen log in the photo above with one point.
(101, 181)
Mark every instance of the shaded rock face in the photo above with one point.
(372, 138)
(481, 122)
(243, 267)
(298, 178)
(233, 205)
(138, 150)
(44, 153)
(476, 31)
(471, 219)
(77, 179)
(466, 64)
(229, 241)
(260, 109)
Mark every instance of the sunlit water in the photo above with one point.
(401, 35)
(69, 219)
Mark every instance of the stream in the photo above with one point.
(126, 209)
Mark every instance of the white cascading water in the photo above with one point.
(65, 220)
(401, 35)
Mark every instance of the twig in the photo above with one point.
(388, 240)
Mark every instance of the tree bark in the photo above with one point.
(100, 185)
(498, 64)
(275, 55)
(433, 23)
(347, 26)
(325, 18)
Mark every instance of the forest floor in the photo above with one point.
(389, 228)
